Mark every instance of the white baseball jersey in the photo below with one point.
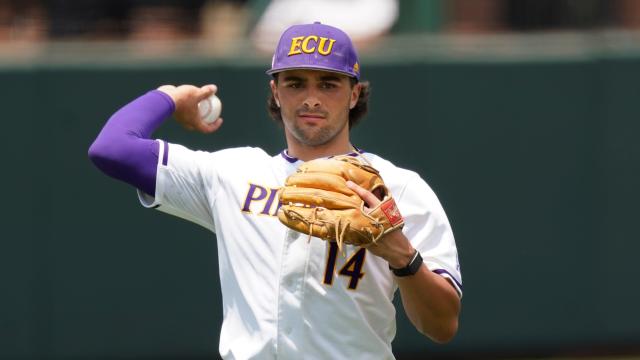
(283, 296)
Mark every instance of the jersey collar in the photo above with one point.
(285, 154)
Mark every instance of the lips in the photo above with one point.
(312, 116)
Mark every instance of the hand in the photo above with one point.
(394, 247)
(186, 99)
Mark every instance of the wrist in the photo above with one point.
(411, 268)
(395, 248)
(166, 93)
(399, 260)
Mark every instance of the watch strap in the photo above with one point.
(411, 268)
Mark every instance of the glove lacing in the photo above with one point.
(339, 225)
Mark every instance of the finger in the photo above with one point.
(209, 128)
(211, 87)
(206, 91)
(370, 199)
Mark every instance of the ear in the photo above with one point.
(274, 91)
(355, 95)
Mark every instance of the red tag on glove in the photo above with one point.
(390, 210)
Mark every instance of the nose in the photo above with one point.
(311, 100)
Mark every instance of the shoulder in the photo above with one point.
(240, 159)
(389, 170)
(242, 153)
(230, 157)
(399, 180)
(238, 154)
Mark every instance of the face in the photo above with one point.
(315, 105)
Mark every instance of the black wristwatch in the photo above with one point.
(411, 268)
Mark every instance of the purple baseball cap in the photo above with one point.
(315, 46)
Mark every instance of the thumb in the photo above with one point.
(206, 91)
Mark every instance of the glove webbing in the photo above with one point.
(339, 226)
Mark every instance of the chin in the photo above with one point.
(316, 140)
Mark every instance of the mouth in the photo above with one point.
(311, 117)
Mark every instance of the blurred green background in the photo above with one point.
(535, 161)
(530, 141)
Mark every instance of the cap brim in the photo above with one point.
(310, 67)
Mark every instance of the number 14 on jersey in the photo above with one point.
(351, 269)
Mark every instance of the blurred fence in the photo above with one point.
(535, 161)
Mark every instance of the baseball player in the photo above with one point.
(286, 294)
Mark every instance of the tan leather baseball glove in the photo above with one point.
(316, 201)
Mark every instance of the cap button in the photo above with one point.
(316, 22)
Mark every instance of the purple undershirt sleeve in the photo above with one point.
(124, 150)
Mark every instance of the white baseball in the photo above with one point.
(210, 109)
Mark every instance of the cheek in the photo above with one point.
(344, 103)
(288, 99)
(287, 103)
(287, 108)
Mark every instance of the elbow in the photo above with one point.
(95, 152)
(107, 155)
(98, 153)
(445, 334)
(441, 334)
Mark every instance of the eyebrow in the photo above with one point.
(294, 78)
(330, 78)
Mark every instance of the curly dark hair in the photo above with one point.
(355, 114)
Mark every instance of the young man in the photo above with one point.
(284, 296)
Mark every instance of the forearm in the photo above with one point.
(431, 303)
(124, 150)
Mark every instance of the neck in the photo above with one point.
(308, 152)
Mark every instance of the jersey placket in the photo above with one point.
(290, 331)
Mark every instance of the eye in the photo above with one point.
(294, 85)
(327, 85)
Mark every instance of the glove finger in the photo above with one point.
(319, 198)
(330, 182)
(367, 177)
